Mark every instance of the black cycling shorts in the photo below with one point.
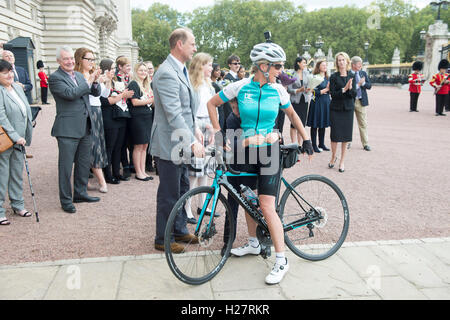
(264, 161)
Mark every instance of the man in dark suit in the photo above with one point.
(20, 75)
(234, 63)
(362, 101)
(173, 131)
(72, 128)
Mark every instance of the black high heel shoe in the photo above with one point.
(331, 165)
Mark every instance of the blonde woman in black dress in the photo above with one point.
(141, 109)
(343, 93)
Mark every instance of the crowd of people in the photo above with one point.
(113, 120)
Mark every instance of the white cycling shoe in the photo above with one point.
(246, 249)
(277, 273)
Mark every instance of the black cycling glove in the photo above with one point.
(307, 147)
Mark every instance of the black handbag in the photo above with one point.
(118, 113)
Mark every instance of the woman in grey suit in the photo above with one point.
(300, 96)
(15, 118)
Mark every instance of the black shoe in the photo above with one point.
(324, 148)
(316, 150)
(145, 179)
(367, 148)
(112, 181)
(192, 220)
(442, 114)
(124, 178)
(69, 208)
(416, 110)
(126, 173)
(86, 199)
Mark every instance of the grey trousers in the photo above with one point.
(174, 183)
(73, 151)
(11, 176)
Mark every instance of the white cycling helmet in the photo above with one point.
(267, 51)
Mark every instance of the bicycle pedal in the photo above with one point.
(266, 252)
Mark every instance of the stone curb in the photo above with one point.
(162, 256)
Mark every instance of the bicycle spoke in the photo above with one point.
(200, 261)
(322, 237)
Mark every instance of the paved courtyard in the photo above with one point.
(398, 191)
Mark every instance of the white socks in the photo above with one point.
(280, 258)
(254, 242)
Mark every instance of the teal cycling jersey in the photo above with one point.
(258, 106)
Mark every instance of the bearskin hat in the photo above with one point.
(443, 64)
(417, 66)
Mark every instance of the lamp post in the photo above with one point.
(366, 50)
(319, 55)
(319, 42)
(306, 46)
(436, 5)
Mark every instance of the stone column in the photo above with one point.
(396, 63)
(330, 62)
(127, 46)
(436, 37)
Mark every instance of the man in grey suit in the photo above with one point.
(72, 128)
(174, 132)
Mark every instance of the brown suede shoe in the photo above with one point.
(187, 238)
(174, 247)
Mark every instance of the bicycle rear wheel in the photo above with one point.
(320, 239)
(200, 262)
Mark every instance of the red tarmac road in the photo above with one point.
(399, 190)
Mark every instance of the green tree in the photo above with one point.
(152, 28)
(234, 26)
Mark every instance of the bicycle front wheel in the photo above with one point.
(200, 261)
(314, 197)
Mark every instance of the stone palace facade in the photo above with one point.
(101, 25)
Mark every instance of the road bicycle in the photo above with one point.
(313, 211)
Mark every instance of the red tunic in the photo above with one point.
(415, 82)
(44, 79)
(437, 79)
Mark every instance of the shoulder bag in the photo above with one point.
(5, 140)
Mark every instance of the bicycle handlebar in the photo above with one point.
(218, 151)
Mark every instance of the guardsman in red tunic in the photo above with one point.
(416, 81)
(441, 84)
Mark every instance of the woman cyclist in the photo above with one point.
(259, 100)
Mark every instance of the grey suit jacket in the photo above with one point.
(295, 97)
(16, 123)
(72, 104)
(175, 108)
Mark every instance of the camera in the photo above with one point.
(268, 35)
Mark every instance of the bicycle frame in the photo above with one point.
(220, 180)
